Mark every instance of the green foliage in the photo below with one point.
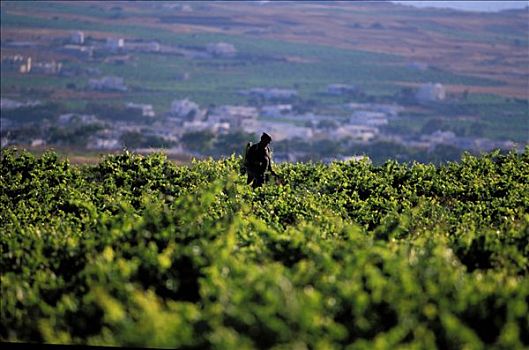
(136, 251)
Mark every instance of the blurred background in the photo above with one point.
(421, 81)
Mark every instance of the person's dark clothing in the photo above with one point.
(258, 162)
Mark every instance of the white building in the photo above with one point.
(186, 108)
(77, 38)
(115, 44)
(146, 110)
(107, 83)
(430, 93)
(26, 67)
(221, 49)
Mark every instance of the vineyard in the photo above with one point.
(137, 251)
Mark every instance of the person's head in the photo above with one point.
(265, 139)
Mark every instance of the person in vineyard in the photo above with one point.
(258, 160)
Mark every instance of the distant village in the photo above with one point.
(276, 110)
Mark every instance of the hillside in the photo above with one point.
(136, 251)
(161, 52)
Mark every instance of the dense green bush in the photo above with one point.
(137, 251)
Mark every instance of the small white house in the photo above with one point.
(430, 93)
(146, 110)
(186, 108)
(115, 44)
(77, 38)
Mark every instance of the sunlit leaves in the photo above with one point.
(137, 251)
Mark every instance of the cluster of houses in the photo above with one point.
(361, 124)
(275, 113)
(26, 65)
(281, 120)
(77, 45)
(186, 116)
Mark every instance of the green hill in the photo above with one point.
(137, 251)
